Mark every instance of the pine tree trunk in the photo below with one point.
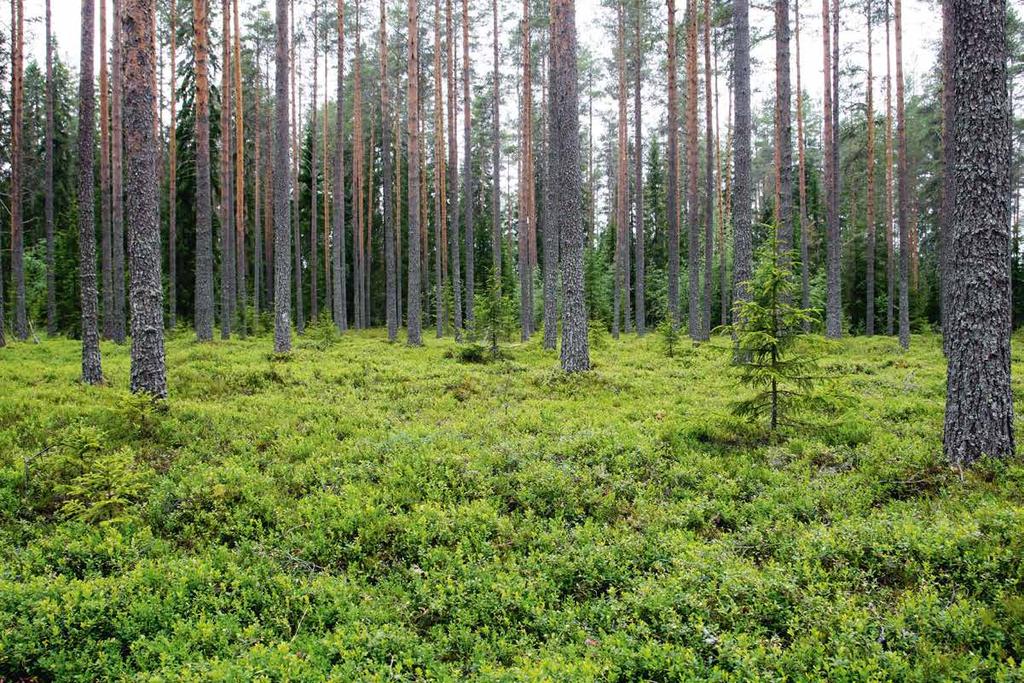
(672, 202)
(204, 218)
(890, 261)
(709, 179)
(117, 180)
(414, 293)
(901, 181)
(172, 192)
(621, 288)
(391, 315)
(454, 243)
(692, 171)
(550, 236)
(496, 153)
(979, 398)
(467, 172)
(314, 299)
(239, 202)
(92, 370)
(638, 179)
(783, 130)
(148, 371)
(869, 323)
(946, 207)
(300, 313)
(325, 248)
(257, 201)
(51, 280)
(340, 274)
(566, 192)
(525, 189)
(833, 302)
(227, 211)
(358, 254)
(440, 209)
(282, 180)
(805, 266)
(106, 235)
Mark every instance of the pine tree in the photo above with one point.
(692, 170)
(172, 153)
(467, 169)
(833, 302)
(673, 155)
(495, 150)
(116, 180)
(204, 219)
(227, 197)
(709, 178)
(455, 244)
(902, 183)
(51, 280)
(239, 201)
(869, 324)
(415, 295)
(282, 229)
(92, 370)
(638, 172)
(743, 255)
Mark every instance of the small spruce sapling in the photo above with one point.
(669, 333)
(768, 331)
(497, 316)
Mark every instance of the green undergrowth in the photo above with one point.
(365, 511)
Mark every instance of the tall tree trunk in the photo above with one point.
(204, 209)
(358, 255)
(467, 171)
(869, 323)
(340, 274)
(455, 244)
(496, 153)
(783, 130)
(51, 280)
(92, 369)
(314, 300)
(805, 283)
(621, 288)
(414, 293)
(148, 371)
(391, 315)
(946, 207)
(227, 212)
(692, 171)
(268, 200)
(106, 235)
(638, 175)
(833, 301)
(742, 239)
(979, 397)
(440, 208)
(399, 307)
(257, 194)
(673, 166)
(300, 313)
(551, 236)
(890, 261)
(282, 230)
(525, 186)
(901, 180)
(564, 174)
(709, 178)
(240, 261)
(116, 184)
(172, 198)
(325, 249)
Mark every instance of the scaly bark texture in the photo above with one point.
(805, 283)
(282, 180)
(709, 178)
(440, 203)
(783, 129)
(338, 256)
(946, 207)
(148, 370)
(300, 312)
(467, 170)
(833, 301)
(525, 185)
(172, 182)
(869, 276)
(742, 250)
(92, 370)
(314, 298)
(550, 234)
(51, 281)
(239, 202)
(496, 152)
(391, 315)
(901, 182)
(692, 171)
(638, 175)
(454, 243)
(979, 398)
(106, 236)
(414, 293)
(204, 217)
(621, 285)
(227, 197)
(567, 190)
(117, 180)
(890, 261)
(672, 203)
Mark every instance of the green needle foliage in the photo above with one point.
(771, 358)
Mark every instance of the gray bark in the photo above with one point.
(833, 301)
(17, 170)
(92, 370)
(741, 212)
(414, 285)
(227, 183)
(390, 257)
(946, 208)
(455, 244)
(496, 154)
(692, 171)
(567, 190)
(282, 180)
(106, 238)
(638, 171)
(979, 399)
(172, 192)
(148, 370)
(117, 180)
(901, 185)
(467, 171)
(314, 298)
(338, 257)
(783, 127)
(51, 280)
(550, 231)
(204, 218)
(672, 203)
(709, 178)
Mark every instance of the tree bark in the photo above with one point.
(979, 398)
(621, 285)
(227, 211)
(890, 261)
(117, 180)
(742, 239)
(391, 315)
(92, 370)
(564, 175)
(673, 153)
(639, 287)
(833, 301)
(946, 207)
(454, 243)
(783, 131)
(300, 312)
(239, 203)
(414, 293)
(204, 218)
(692, 172)
(51, 280)
(496, 153)
(805, 266)
(440, 202)
(138, 75)
(340, 272)
(901, 181)
(709, 178)
(106, 235)
(467, 171)
(172, 192)
(550, 235)
(282, 229)
(869, 322)
(314, 299)
(525, 186)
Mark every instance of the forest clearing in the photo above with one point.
(364, 512)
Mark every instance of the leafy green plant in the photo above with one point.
(670, 336)
(768, 333)
(496, 316)
(110, 484)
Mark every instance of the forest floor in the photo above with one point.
(360, 511)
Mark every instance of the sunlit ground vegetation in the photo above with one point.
(358, 511)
